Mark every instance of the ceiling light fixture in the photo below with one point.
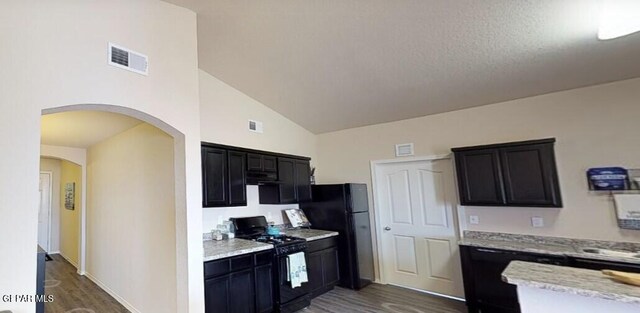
(619, 18)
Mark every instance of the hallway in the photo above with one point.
(74, 293)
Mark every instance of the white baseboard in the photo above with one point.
(53, 252)
(112, 293)
(431, 293)
(68, 260)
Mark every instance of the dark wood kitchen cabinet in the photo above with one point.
(223, 177)
(215, 181)
(227, 170)
(241, 284)
(513, 174)
(261, 163)
(482, 268)
(322, 265)
(237, 178)
(293, 186)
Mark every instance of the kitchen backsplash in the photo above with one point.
(274, 213)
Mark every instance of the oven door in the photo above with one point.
(288, 294)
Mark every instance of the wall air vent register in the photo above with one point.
(128, 59)
(405, 149)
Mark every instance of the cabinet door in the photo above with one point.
(287, 178)
(214, 177)
(254, 162)
(485, 272)
(264, 289)
(530, 176)
(479, 178)
(269, 163)
(241, 292)
(237, 178)
(315, 270)
(303, 181)
(216, 295)
(331, 268)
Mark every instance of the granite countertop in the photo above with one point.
(214, 250)
(549, 245)
(518, 246)
(582, 282)
(310, 234)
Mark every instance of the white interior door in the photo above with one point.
(44, 213)
(419, 247)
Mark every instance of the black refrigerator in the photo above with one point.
(344, 208)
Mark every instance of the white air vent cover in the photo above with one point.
(405, 149)
(127, 59)
(255, 126)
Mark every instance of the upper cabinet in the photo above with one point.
(226, 171)
(223, 177)
(293, 185)
(512, 174)
(215, 186)
(261, 163)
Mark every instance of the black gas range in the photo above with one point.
(286, 298)
(283, 244)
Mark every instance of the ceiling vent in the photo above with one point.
(255, 126)
(405, 149)
(127, 59)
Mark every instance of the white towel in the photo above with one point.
(627, 206)
(297, 269)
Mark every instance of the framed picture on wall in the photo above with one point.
(69, 196)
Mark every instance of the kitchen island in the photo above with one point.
(550, 288)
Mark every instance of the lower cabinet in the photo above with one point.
(482, 269)
(322, 265)
(241, 284)
(264, 288)
(483, 286)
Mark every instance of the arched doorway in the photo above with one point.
(179, 189)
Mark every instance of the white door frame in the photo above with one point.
(50, 174)
(376, 200)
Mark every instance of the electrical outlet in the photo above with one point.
(537, 221)
(474, 219)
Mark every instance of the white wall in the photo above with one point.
(594, 126)
(53, 166)
(131, 218)
(224, 117)
(55, 54)
(211, 217)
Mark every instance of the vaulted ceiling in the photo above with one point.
(335, 64)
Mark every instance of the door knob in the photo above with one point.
(387, 228)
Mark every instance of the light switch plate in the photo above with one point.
(474, 219)
(537, 221)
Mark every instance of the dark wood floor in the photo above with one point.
(77, 294)
(73, 293)
(377, 298)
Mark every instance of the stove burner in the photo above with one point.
(276, 240)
